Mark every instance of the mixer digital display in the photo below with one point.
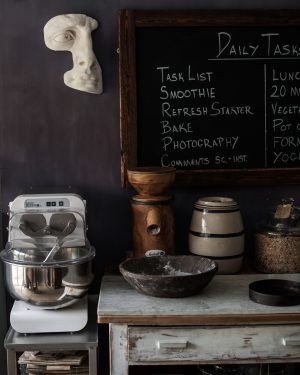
(47, 203)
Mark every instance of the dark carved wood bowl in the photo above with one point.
(169, 276)
(151, 180)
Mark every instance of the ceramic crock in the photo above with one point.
(217, 232)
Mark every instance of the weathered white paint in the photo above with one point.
(118, 352)
(225, 295)
(213, 344)
(141, 332)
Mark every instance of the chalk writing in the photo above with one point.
(284, 126)
(225, 98)
(267, 47)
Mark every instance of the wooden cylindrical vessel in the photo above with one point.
(153, 225)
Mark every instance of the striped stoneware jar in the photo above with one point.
(217, 232)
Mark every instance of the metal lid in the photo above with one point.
(275, 292)
(284, 218)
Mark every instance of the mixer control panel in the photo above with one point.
(47, 203)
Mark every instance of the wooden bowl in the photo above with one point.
(169, 276)
(151, 180)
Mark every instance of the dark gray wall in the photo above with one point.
(51, 135)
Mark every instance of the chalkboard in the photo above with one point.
(215, 94)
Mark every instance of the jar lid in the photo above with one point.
(284, 217)
(216, 202)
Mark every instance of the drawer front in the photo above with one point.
(277, 343)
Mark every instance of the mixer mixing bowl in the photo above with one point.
(48, 283)
(55, 283)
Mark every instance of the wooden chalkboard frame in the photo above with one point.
(129, 21)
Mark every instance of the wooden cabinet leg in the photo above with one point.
(118, 349)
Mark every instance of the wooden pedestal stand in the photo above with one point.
(153, 224)
(153, 219)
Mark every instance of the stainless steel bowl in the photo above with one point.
(52, 284)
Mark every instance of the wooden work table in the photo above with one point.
(219, 325)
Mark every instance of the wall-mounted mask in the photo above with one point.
(72, 32)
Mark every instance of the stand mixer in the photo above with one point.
(48, 262)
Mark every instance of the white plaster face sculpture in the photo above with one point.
(72, 32)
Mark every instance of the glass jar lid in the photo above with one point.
(284, 218)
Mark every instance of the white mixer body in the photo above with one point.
(44, 208)
(48, 262)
